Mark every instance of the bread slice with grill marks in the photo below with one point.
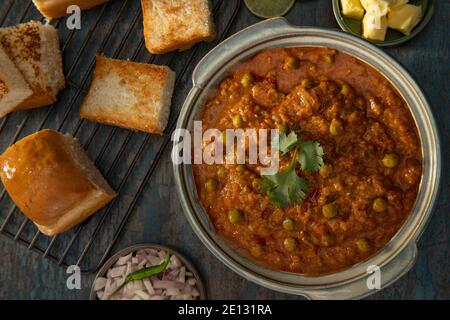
(34, 48)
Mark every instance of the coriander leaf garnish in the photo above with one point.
(285, 187)
(311, 155)
(287, 142)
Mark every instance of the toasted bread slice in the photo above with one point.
(34, 48)
(52, 9)
(13, 87)
(132, 95)
(176, 24)
(52, 181)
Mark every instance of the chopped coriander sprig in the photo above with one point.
(286, 187)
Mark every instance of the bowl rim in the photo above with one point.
(277, 32)
(387, 43)
(133, 248)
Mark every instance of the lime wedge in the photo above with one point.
(269, 8)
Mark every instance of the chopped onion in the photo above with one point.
(175, 283)
(123, 260)
(100, 283)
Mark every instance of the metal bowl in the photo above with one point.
(400, 253)
(110, 262)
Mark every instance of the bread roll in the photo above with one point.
(52, 9)
(176, 24)
(52, 181)
(131, 95)
(34, 48)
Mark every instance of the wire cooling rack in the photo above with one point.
(114, 29)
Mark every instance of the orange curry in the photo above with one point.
(372, 167)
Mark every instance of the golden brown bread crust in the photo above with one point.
(35, 101)
(28, 46)
(3, 89)
(176, 24)
(146, 86)
(52, 9)
(45, 182)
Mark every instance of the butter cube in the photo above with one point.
(376, 7)
(404, 18)
(374, 27)
(352, 9)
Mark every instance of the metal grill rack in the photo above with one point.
(127, 159)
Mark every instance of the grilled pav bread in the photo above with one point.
(131, 95)
(34, 48)
(13, 87)
(176, 24)
(51, 179)
(52, 9)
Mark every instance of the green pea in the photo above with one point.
(288, 224)
(336, 127)
(363, 244)
(257, 250)
(291, 63)
(235, 216)
(326, 240)
(256, 184)
(224, 137)
(247, 80)
(222, 172)
(379, 205)
(325, 170)
(211, 185)
(290, 244)
(328, 59)
(282, 127)
(390, 160)
(329, 211)
(238, 121)
(241, 168)
(346, 90)
(307, 83)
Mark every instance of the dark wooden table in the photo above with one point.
(158, 216)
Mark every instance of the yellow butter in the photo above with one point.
(404, 18)
(352, 9)
(374, 27)
(376, 7)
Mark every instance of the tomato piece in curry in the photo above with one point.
(373, 162)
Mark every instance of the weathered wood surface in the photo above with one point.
(158, 216)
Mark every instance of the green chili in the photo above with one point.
(144, 273)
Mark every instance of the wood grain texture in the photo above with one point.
(158, 216)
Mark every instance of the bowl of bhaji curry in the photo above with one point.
(358, 161)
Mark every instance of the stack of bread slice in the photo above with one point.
(31, 69)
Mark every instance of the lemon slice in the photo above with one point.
(269, 8)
